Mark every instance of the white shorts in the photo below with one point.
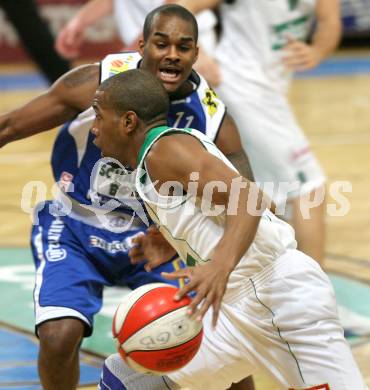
(279, 152)
(286, 325)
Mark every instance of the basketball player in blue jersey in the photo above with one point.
(75, 255)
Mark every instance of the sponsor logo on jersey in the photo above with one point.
(118, 65)
(210, 100)
(55, 252)
(112, 180)
(112, 187)
(111, 247)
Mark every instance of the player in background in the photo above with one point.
(129, 16)
(76, 254)
(261, 44)
(264, 304)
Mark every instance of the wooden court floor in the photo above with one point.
(335, 113)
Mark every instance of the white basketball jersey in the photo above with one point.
(130, 16)
(194, 231)
(254, 32)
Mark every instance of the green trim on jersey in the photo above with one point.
(152, 135)
(279, 28)
(289, 27)
(293, 4)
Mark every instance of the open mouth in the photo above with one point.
(169, 75)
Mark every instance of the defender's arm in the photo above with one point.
(68, 96)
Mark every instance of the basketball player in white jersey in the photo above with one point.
(129, 16)
(264, 304)
(261, 44)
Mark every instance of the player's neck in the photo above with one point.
(185, 89)
(137, 141)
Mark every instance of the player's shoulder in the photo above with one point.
(175, 147)
(116, 63)
(176, 142)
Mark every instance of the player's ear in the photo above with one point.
(130, 122)
(141, 47)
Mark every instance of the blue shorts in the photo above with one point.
(74, 261)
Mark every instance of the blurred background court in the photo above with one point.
(333, 105)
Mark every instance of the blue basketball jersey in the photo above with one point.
(74, 154)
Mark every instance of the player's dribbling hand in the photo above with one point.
(151, 247)
(300, 56)
(209, 282)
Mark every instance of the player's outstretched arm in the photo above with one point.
(223, 187)
(228, 141)
(67, 97)
(71, 36)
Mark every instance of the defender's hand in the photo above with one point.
(151, 247)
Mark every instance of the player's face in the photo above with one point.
(106, 128)
(170, 51)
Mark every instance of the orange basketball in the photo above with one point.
(153, 331)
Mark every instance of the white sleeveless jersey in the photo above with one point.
(194, 234)
(254, 32)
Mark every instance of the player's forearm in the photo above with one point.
(93, 11)
(326, 38)
(328, 29)
(241, 163)
(33, 118)
(11, 131)
(242, 220)
(196, 6)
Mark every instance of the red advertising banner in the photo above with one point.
(100, 39)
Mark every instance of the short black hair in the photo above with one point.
(170, 10)
(139, 91)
